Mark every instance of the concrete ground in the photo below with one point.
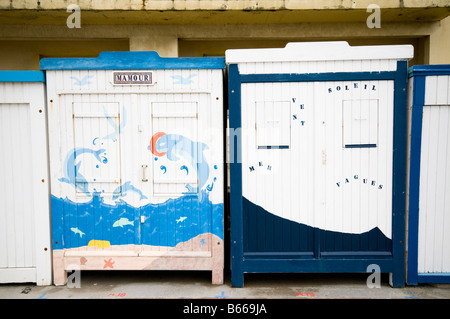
(197, 285)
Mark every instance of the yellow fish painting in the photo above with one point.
(99, 243)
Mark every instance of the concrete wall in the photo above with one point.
(149, 5)
(30, 30)
(440, 43)
(24, 54)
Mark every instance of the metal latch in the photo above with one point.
(144, 179)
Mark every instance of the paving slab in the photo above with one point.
(197, 285)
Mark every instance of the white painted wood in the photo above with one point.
(273, 124)
(16, 275)
(408, 153)
(441, 90)
(437, 90)
(319, 51)
(24, 190)
(434, 204)
(360, 122)
(430, 92)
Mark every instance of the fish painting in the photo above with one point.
(123, 222)
(181, 219)
(177, 147)
(123, 189)
(179, 79)
(71, 171)
(77, 231)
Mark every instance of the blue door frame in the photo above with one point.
(260, 263)
(419, 73)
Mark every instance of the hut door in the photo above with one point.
(172, 160)
(174, 133)
(97, 148)
(317, 169)
(24, 209)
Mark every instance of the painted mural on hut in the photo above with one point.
(127, 215)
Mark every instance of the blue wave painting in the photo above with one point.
(96, 220)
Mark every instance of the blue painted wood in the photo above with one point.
(357, 254)
(236, 220)
(414, 177)
(274, 147)
(360, 145)
(135, 60)
(266, 236)
(374, 241)
(268, 233)
(274, 255)
(95, 219)
(57, 223)
(424, 70)
(399, 174)
(22, 76)
(301, 265)
(318, 77)
(436, 278)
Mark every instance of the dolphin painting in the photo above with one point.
(175, 147)
(124, 188)
(72, 170)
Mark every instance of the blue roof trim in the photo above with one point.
(135, 60)
(438, 69)
(22, 76)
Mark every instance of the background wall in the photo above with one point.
(30, 30)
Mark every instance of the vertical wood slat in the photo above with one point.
(434, 204)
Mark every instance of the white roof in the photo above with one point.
(320, 51)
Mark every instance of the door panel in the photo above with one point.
(327, 190)
(175, 130)
(179, 225)
(97, 148)
(17, 233)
